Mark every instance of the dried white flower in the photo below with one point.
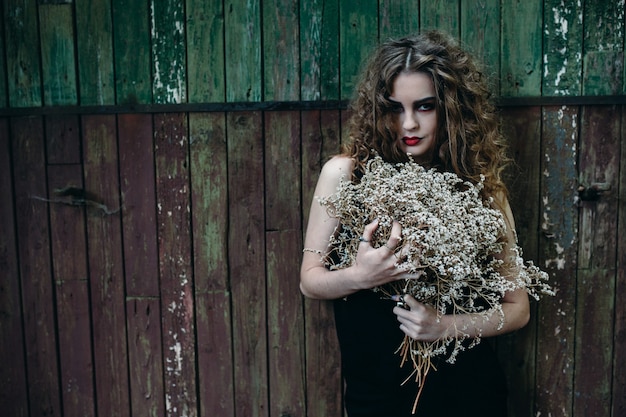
(450, 235)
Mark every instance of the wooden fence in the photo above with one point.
(157, 161)
(150, 264)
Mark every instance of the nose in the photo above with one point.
(410, 122)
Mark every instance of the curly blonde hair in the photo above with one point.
(469, 141)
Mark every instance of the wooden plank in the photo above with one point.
(320, 139)
(69, 265)
(95, 52)
(618, 403)
(310, 49)
(13, 384)
(23, 62)
(603, 48)
(563, 35)
(522, 130)
(137, 186)
(209, 196)
(599, 163)
(285, 323)
(480, 34)
(398, 18)
(35, 266)
(137, 179)
(57, 55)
(357, 40)
(243, 50)
(175, 266)
(145, 357)
(205, 51)
(557, 246)
(104, 243)
(282, 168)
(521, 43)
(4, 90)
(441, 15)
(246, 258)
(132, 60)
(281, 55)
(62, 139)
(169, 59)
(319, 50)
(330, 87)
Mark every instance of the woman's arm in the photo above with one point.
(421, 322)
(371, 268)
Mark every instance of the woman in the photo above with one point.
(422, 98)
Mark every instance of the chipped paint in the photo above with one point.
(559, 61)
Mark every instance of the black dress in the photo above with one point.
(369, 336)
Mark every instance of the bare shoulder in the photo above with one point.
(335, 170)
(337, 167)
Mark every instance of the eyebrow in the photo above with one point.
(416, 102)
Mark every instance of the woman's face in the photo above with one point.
(415, 115)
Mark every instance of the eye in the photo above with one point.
(424, 107)
(396, 109)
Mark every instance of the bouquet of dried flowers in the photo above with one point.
(451, 239)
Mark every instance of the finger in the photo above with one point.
(411, 302)
(368, 231)
(395, 236)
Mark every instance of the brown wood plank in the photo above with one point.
(175, 267)
(137, 179)
(522, 130)
(599, 163)
(69, 262)
(285, 324)
(62, 139)
(557, 246)
(145, 357)
(13, 388)
(209, 196)
(282, 168)
(320, 139)
(246, 258)
(31, 218)
(137, 187)
(104, 243)
(618, 403)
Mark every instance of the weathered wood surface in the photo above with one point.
(58, 58)
(186, 300)
(105, 259)
(599, 164)
(618, 403)
(558, 248)
(521, 62)
(522, 128)
(131, 44)
(13, 379)
(96, 52)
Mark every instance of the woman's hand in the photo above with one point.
(378, 266)
(420, 321)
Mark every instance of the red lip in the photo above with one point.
(411, 141)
